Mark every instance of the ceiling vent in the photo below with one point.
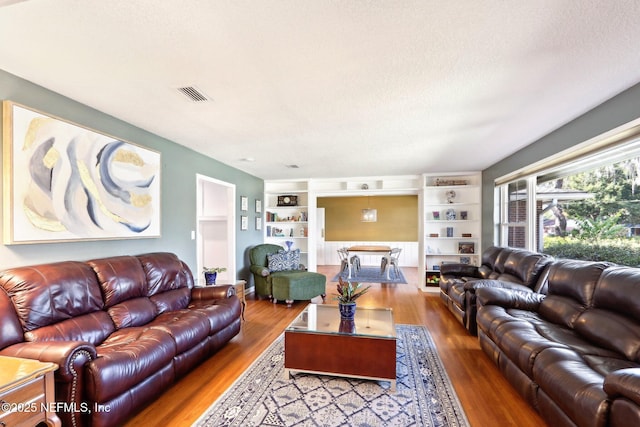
(194, 94)
(292, 166)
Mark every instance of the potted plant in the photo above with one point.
(347, 294)
(211, 273)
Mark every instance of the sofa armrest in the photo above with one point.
(474, 285)
(509, 298)
(623, 383)
(212, 292)
(70, 356)
(460, 270)
(259, 270)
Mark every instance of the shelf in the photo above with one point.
(447, 221)
(288, 207)
(287, 222)
(449, 254)
(286, 237)
(451, 238)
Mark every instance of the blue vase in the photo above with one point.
(289, 243)
(210, 278)
(347, 311)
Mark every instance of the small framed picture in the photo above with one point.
(244, 203)
(244, 222)
(258, 206)
(258, 223)
(466, 248)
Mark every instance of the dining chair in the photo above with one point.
(344, 259)
(392, 260)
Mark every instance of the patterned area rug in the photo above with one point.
(263, 397)
(372, 275)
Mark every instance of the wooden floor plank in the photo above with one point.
(488, 399)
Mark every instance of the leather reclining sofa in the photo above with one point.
(504, 267)
(121, 329)
(574, 352)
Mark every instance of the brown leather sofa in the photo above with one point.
(574, 353)
(121, 329)
(503, 267)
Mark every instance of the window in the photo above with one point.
(566, 196)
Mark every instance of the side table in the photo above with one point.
(238, 285)
(27, 394)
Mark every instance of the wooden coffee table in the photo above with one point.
(317, 342)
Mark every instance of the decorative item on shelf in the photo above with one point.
(433, 234)
(465, 260)
(347, 295)
(463, 215)
(449, 231)
(466, 235)
(451, 214)
(211, 274)
(288, 200)
(450, 194)
(433, 278)
(466, 247)
(364, 186)
(289, 243)
(442, 182)
(436, 267)
(436, 215)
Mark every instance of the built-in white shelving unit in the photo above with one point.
(452, 220)
(288, 214)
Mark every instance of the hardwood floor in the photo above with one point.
(488, 399)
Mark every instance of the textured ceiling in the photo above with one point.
(340, 88)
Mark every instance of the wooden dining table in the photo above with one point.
(369, 250)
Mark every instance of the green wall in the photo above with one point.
(178, 189)
(397, 218)
(615, 112)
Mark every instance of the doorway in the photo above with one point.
(215, 236)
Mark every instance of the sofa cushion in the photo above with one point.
(526, 267)
(573, 385)
(570, 290)
(164, 272)
(126, 358)
(121, 278)
(10, 328)
(49, 293)
(188, 328)
(134, 312)
(93, 327)
(176, 299)
(614, 320)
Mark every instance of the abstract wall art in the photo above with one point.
(63, 182)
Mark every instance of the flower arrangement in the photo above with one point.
(214, 269)
(348, 292)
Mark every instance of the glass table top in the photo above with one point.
(325, 319)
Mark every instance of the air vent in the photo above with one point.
(194, 94)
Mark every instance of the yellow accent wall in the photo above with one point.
(397, 218)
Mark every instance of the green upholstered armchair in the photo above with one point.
(259, 268)
(288, 285)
